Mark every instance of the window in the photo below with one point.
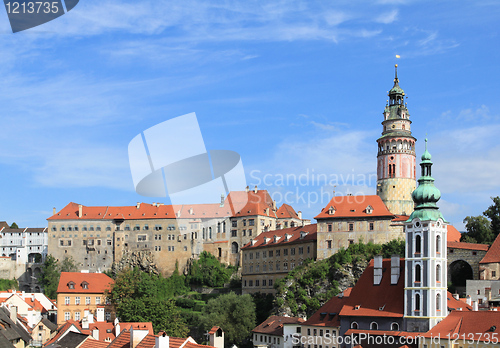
(257, 283)
(71, 285)
(233, 233)
(66, 301)
(438, 273)
(395, 327)
(270, 253)
(270, 282)
(234, 223)
(67, 316)
(417, 273)
(493, 274)
(87, 300)
(85, 285)
(328, 244)
(234, 248)
(438, 244)
(292, 251)
(285, 252)
(108, 316)
(251, 222)
(97, 300)
(371, 226)
(351, 227)
(329, 227)
(61, 242)
(77, 316)
(278, 252)
(77, 300)
(418, 244)
(417, 302)
(373, 326)
(354, 325)
(264, 282)
(438, 302)
(141, 238)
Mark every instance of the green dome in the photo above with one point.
(426, 156)
(426, 194)
(396, 90)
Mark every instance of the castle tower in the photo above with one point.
(396, 154)
(425, 259)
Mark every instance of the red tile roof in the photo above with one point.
(286, 212)
(274, 325)
(400, 218)
(253, 204)
(91, 343)
(98, 283)
(294, 232)
(384, 300)
(453, 235)
(149, 341)
(62, 329)
(454, 304)
(213, 330)
(493, 254)
(328, 314)
(355, 207)
(468, 246)
(474, 323)
(121, 341)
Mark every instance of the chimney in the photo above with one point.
(468, 300)
(395, 269)
(99, 314)
(13, 314)
(117, 327)
(33, 298)
(136, 336)
(299, 214)
(255, 189)
(475, 306)
(138, 205)
(247, 189)
(85, 323)
(95, 333)
(267, 211)
(54, 211)
(80, 210)
(191, 211)
(377, 270)
(162, 341)
(221, 200)
(216, 337)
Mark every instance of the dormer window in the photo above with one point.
(287, 237)
(276, 239)
(85, 285)
(303, 234)
(331, 210)
(71, 285)
(369, 209)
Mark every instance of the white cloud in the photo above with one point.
(387, 18)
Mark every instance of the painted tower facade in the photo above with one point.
(396, 170)
(425, 268)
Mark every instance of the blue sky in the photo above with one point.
(295, 87)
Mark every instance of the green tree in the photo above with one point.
(394, 247)
(208, 271)
(50, 277)
(14, 225)
(141, 296)
(8, 284)
(235, 314)
(478, 229)
(493, 213)
(51, 272)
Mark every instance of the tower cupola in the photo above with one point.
(426, 194)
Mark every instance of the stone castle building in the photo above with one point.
(161, 236)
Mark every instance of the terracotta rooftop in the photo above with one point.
(452, 235)
(248, 203)
(274, 325)
(91, 343)
(474, 323)
(278, 237)
(286, 211)
(355, 206)
(328, 314)
(493, 254)
(468, 246)
(384, 300)
(123, 341)
(97, 283)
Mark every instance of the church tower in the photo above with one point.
(425, 259)
(396, 155)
